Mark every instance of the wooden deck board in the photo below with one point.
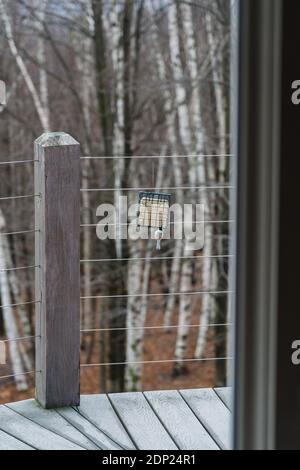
(166, 420)
(99, 411)
(225, 393)
(51, 420)
(180, 421)
(212, 412)
(31, 433)
(141, 423)
(100, 439)
(8, 442)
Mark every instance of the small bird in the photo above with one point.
(158, 236)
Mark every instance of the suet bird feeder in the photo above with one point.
(154, 213)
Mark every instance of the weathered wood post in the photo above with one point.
(57, 289)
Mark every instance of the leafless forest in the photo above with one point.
(125, 78)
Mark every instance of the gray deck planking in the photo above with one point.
(212, 412)
(31, 433)
(99, 411)
(180, 421)
(8, 442)
(225, 393)
(166, 420)
(141, 423)
(100, 439)
(51, 420)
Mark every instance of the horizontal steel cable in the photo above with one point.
(18, 268)
(15, 162)
(18, 232)
(161, 189)
(21, 338)
(156, 327)
(141, 157)
(155, 258)
(7, 198)
(170, 223)
(21, 304)
(21, 373)
(156, 294)
(159, 361)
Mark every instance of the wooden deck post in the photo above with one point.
(57, 289)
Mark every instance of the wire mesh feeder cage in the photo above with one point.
(154, 213)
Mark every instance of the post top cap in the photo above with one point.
(55, 139)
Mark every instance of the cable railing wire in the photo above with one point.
(23, 196)
(154, 258)
(20, 374)
(19, 268)
(143, 157)
(20, 338)
(155, 327)
(157, 361)
(16, 162)
(20, 304)
(167, 188)
(19, 232)
(172, 188)
(156, 294)
(196, 222)
(120, 157)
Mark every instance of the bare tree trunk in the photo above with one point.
(185, 132)
(185, 312)
(14, 284)
(206, 304)
(217, 306)
(217, 75)
(179, 79)
(118, 136)
(115, 308)
(41, 57)
(199, 136)
(138, 283)
(171, 132)
(83, 65)
(22, 67)
(8, 316)
(133, 320)
(176, 262)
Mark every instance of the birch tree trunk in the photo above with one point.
(138, 283)
(14, 284)
(114, 309)
(42, 108)
(41, 6)
(199, 139)
(170, 113)
(133, 320)
(23, 68)
(222, 302)
(217, 305)
(8, 316)
(118, 130)
(186, 123)
(185, 312)
(179, 79)
(83, 64)
(217, 75)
